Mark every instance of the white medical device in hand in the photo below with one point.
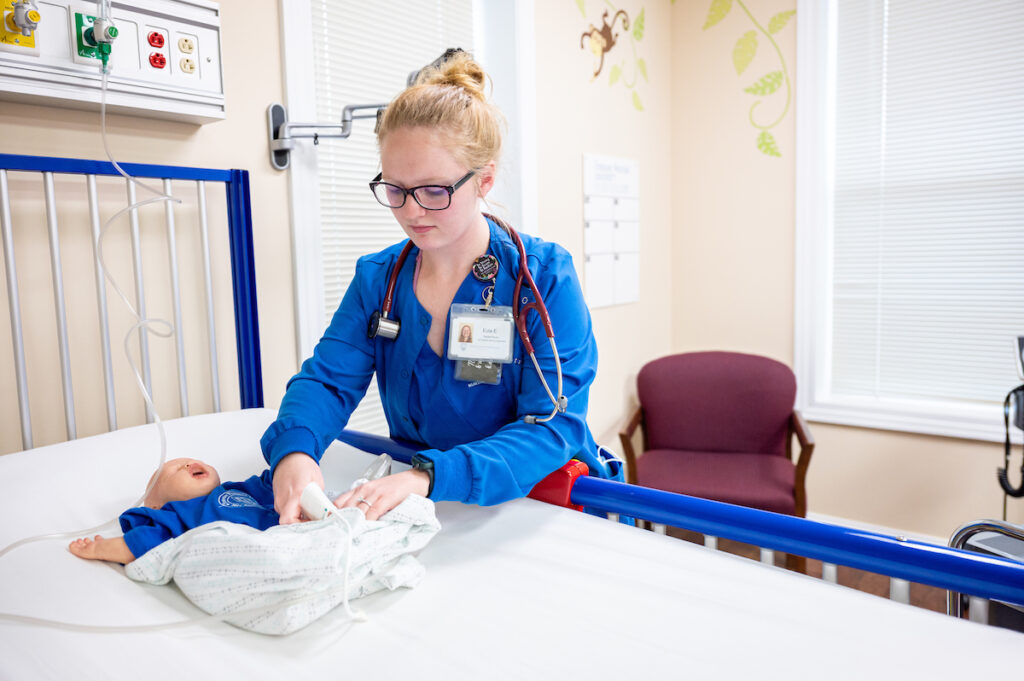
(315, 503)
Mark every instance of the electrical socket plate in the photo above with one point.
(188, 87)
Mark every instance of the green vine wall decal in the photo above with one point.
(600, 42)
(743, 53)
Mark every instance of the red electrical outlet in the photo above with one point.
(157, 60)
(156, 39)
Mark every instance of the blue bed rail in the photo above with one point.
(952, 569)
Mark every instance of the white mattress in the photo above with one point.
(523, 590)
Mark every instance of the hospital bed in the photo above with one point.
(526, 589)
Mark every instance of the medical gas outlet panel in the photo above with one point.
(164, 57)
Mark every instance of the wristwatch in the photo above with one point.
(420, 463)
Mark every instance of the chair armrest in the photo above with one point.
(803, 433)
(806, 440)
(626, 438)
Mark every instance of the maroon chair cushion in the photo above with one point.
(717, 402)
(753, 480)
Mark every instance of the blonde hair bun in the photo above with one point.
(458, 70)
(449, 97)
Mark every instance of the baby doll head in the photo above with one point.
(181, 479)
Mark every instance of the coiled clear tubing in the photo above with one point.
(163, 329)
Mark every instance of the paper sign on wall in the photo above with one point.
(611, 230)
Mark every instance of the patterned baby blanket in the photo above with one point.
(252, 579)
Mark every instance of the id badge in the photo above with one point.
(481, 334)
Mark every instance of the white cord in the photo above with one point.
(168, 330)
(140, 324)
(355, 615)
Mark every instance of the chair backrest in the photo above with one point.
(50, 224)
(717, 402)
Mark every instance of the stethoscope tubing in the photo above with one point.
(520, 312)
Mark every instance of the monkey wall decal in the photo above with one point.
(602, 40)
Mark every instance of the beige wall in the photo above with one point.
(580, 114)
(253, 80)
(734, 284)
(717, 226)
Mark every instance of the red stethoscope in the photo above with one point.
(382, 325)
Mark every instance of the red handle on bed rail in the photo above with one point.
(557, 487)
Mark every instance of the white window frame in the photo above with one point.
(816, 62)
(509, 58)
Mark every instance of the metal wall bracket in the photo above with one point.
(282, 134)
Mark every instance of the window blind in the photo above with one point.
(927, 255)
(363, 54)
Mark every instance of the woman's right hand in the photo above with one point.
(293, 473)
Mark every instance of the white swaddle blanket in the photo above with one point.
(225, 567)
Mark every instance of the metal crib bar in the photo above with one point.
(59, 304)
(899, 590)
(101, 298)
(140, 295)
(179, 342)
(977, 609)
(17, 338)
(204, 234)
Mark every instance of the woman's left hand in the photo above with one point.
(377, 497)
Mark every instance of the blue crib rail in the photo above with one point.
(952, 569)
(243, 272)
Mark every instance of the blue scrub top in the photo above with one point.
(483, 451)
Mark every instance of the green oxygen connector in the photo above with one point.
(101, 35)
(104, 49)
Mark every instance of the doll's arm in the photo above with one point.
(112, 549)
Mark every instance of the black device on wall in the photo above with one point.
(1013, 404)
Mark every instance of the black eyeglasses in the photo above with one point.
(429, 196)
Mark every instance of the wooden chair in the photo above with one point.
(720, 425)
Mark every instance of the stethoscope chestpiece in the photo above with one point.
(382, 326)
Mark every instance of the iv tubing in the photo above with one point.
(147, 326)
(357, 615)
(143, 324)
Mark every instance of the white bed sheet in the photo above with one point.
(522, 590)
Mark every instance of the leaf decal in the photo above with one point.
(614, 75)
(636, 102)
(641, 66)
(579, 3)
(779, 21)
(744, 51)
(766, 143)
(718, 11)
(766, 85)
(638, 26)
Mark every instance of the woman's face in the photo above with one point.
(412, 157)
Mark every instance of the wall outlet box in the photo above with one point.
(164, 63)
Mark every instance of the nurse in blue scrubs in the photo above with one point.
(439, 143)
